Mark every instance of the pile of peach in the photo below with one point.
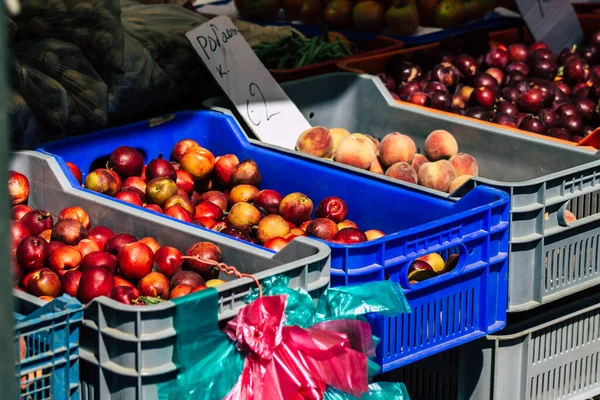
(442, 167)
(69, 256)
(222, 194)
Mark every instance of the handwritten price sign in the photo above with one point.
(256, 95)
(552, 21)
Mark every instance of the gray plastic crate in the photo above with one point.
(551, 355)
(554, 355)
(541, 177)
(126, 350)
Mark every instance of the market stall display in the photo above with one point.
(477, 224)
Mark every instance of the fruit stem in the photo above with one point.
(227, 269)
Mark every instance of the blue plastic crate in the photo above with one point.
(469, 302)
(50, 331)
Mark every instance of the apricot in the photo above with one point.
(402, 171)
(355, 150)
(373, 234)
(458, 182)
(439, 145)
(419, 160)
(376, 167)
(464, 164)
(316, 141)
(272, 226)
(198, 162)
(437, 175)
(243, 216)
(243, 194)
(337, 134)
(396, 147)
(434, 260)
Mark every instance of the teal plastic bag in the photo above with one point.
(212, 374)
(377, 391)
(208, 360)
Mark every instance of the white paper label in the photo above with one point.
(259, 99)
(552, 21)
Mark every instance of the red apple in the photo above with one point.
(276, 244)
(75, 171)
(168, 260)
(99, 259)
(69, 231)
(86, 246)
(37, 221)
(198, 288)
(224, 166)
(179, 213)
(18, 232)
(150, 242)
(333, 208)
(153, 207)
(160, 189)
(182, 201)
(160, 168)
(102, 181)
(135, 260)
(94, 282)
(350, 236)
(154, 284)
(114, 244)
(296, 208)
(125, 294)
(64, 259)
(70, 282)
(185, 181)
(322, 228)
(219, 199)
(18, 187)
(181, 148)
(208, 209)
(100, 235)
(205, 222)
(118, 179)
(269, 200)
(195, 198)
(180, 291)
(32, 253)
(136, 182)
(46, 235)
(77, 213)
(130, 197)
(126, 161)
(122, 282)
(19, 211)
(44, 283)
(54, 245)
(189, 278)
(206, 251)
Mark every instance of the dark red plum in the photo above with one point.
(521, 86)
(439, 100)
(591, 54)
(547, 92)
(594, 39)
(567, 110)
(496, 58)
(483, 97)
(513, 78)
(559, 133)
(518, 52)
(502, 119)
(587, 130)
(445, 73)
(532, 124)
(544, 68)
(563, 87)
(572, 123)
(566, 55)
(467, 66)
(586, 108)
(388, 81)
(435, 85)
(540, 54)
(508, 108)
(517, 66)
(510, 94)
(478, 113)
(418, 98)
(405, 90)
(486, 80)
(548, 117)
(575, 71)
(531, 101)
